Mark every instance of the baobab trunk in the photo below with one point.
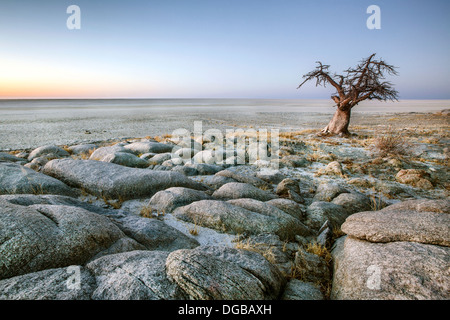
(339, 123)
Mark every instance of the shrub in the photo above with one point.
(391, 143)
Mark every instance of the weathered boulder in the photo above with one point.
(422, 205)
(143, 233)
(400, 223)
(204, 169)
(22, 155)
(39, 237)
(320, 211)
(257, 182)
(333, 168)
(81, 149)
(153, 234)
(169, 199)
(293, 161)
(271, 176)
(187, 171)
(31, 199)
(15, 178)
(160, 158)
(147, 155)
(215, 182)
(136, 275)
(126, 159)
(9, 157)
(289, 188)
(311, 267)
(353, 202)
(45, 150)
(287, 184)
(299, 290)
(40, 161)
(415, 177)
(390, 271)
(290, 207)
(236, 190)
(113, 181)
(71, 283)
(208, 157)
(102, 152)
(184, 142)
(173, 162)
(32, 166)
(272, 248)
(220, 273)
(230, 160)
(186, 153)
(399, 252)
(296, 227)
(119, 155)
(327, 191)
(226, 217)
(325, 235)
(142, 147)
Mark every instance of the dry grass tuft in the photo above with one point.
(323, 284)
(87, 155)
(114, 203)
(262, 249)
(146, 211)
(336, 233)
(67, 149)
(313, 157)
(375, 201)
(194, 231)
(319, 250)
(391, 143)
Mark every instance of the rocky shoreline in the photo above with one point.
(134, 219)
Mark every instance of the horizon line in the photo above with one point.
(204, 98)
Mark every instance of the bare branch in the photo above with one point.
(363, 82)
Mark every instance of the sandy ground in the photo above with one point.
(68, 127)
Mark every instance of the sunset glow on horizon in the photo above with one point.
(210, 49)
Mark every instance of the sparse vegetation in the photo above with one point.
(37, 189)
(114, 203)
(146, 211)
(375, 201)
(324, 284)
(262, 249)
(319, 250)
(391, 143)
(313, 157)
(67, 149)
(194, 231)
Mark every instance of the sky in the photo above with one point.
(216, 49)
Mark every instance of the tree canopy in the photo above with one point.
(366, 81)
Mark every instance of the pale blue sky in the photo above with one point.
(216, 49)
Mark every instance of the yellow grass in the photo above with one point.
(146, 211)
(319, 250)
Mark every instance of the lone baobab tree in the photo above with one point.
(364, 82)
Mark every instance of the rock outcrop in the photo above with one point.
(399, 252)
(16, 179)
(114, 181)
(39, 237)
(220, 273)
